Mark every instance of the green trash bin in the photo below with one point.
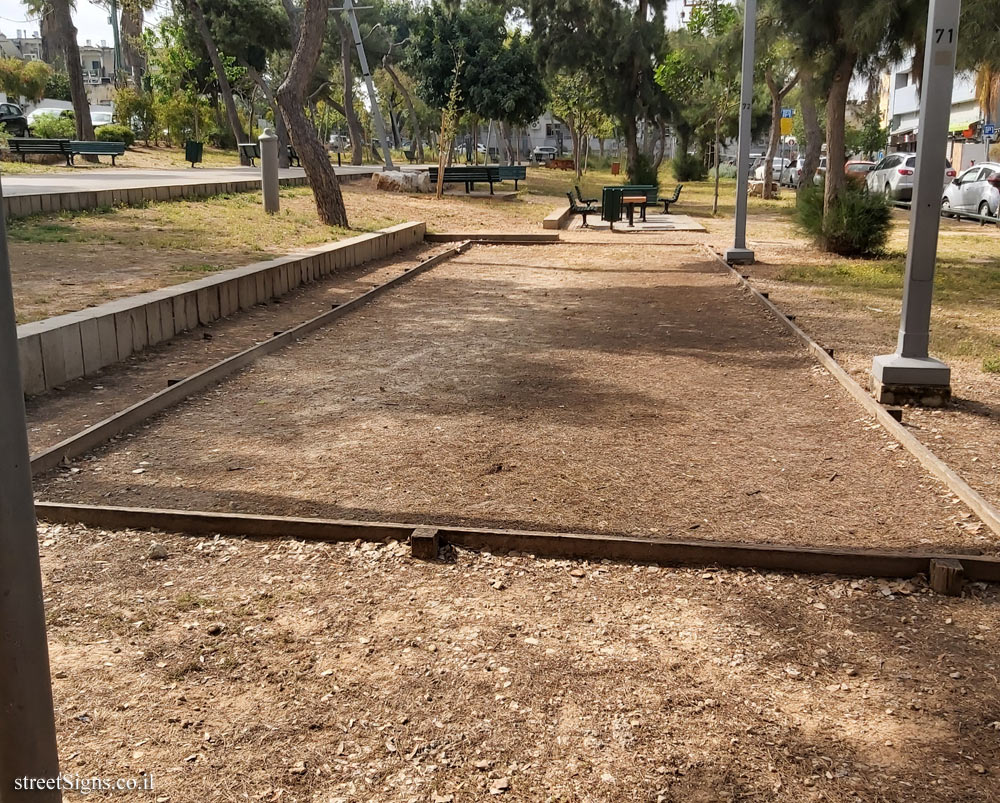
(193, 151)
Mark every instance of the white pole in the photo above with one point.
(269, 171)
(27, 722)
(739, 253)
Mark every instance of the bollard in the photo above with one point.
(269, 170)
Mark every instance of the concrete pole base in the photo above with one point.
(922, 381)
(739, 256)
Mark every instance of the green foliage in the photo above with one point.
(857, 224)
(688, 167)
(643, 172)
(137, 111)
(57, 87)
(185, 117)
(870, 137)
(54, 126)
(991, 365)
(24, 78)
(116, 133)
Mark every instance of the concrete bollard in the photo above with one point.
(269, 170)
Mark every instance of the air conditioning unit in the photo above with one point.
(536, 125)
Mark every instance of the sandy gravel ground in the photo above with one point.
(286, 671)
(628, 389)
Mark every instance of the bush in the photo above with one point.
(688, 167)
(115, 133)
(858, 223)
(643, 172)
(136, 110)
(52, 126)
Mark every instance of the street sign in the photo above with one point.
(786, 126)
(787, 113)
(989, 130)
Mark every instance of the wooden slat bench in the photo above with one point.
(97, 148)
(33, 145)
(463, 175)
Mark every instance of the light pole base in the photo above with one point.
(739, 256)
(910, 380)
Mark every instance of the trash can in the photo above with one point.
(616, 168)
(193, 151)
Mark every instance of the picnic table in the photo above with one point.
(631, 201)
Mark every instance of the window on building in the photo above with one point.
(902, 79)
(95, 65)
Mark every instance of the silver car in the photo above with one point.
(791, 176)
(976, 190)
(894, 176)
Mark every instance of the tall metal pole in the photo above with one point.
(352, 15)
(739, 254)
(27, 722)
(116, 37)
(910, 374)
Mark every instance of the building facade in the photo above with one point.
(96, 60)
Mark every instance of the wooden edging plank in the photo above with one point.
(499, 238)
(768, 557)
(989, 515)
(124, 420)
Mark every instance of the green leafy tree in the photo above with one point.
(577, 103)
(27, 79)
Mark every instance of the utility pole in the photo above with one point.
(27, 722)
(116, 38)
(910, 374)
(352, 16)
(739, 254)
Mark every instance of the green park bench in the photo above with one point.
(611, 200)
(671, 200)
(32, 145)
(581, 199)
(578, 209)
(251, 150)
(411, 155)
(97, 148)
(464, 175)
(513, 173)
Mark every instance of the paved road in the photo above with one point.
(128, 178)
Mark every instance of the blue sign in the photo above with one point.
(788, 113)
(989, 130)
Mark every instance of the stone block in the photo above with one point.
(208, 305)
(425, 543)
(140, 334)
(108, 339)
(90, 345)
(29, 355)
(53, 357)
(154, 331)
(123, 333)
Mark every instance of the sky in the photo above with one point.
(91, 20)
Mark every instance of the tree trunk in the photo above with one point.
(663, 144)
(836, 109)
(410, 110)
(631, 144)
(52, 47)
(220, 75)
(814, 134)
(353, 124)
(715, 199)
(291, 97)
(774, 141)
(63, 21)
(131, 35)
(280, 129)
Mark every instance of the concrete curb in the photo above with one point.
(557, 218)
(59, 349)
(494, 238)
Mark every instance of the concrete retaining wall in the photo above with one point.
(557, 218)
(15, 206)
(57, 350)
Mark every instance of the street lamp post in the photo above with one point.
(739, 254)
(910, 374)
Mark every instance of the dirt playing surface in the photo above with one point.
(55, 416)
(235, 670)
(629, 389)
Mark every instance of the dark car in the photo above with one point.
(13, 119)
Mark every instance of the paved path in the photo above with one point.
(129, 178)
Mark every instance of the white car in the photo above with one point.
(975, 190)
(543, 153)
(791, 176)
(778, 166)
(894, 176)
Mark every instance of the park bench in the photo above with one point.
(251, 150)
(513, 173)
(463, 175)
(581, 199)
(577, 209)
(611, 200)
(411, 155)
(672, 199)
(98, 148)
(27, 145)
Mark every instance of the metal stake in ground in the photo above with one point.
(739, 254)
(352, 16)
(910, 374)
(27, 724)
(269, 170)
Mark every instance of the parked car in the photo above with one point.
(778, 166)
(975, 190)
(543, 153)
(895, 174)
(101, 117)
(857, 171)
(13, 120)
(791, 176)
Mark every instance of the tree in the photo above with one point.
(615, 43)
(62, 21)
(57, 87)
(777, 58)
(291, 99)
(133, 12)
(576, 102)
(26, 79)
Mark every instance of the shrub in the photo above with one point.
(136, 110)
(52, 126)
(688, 167)
(116, 133)
(643, 172)
(858, 223)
